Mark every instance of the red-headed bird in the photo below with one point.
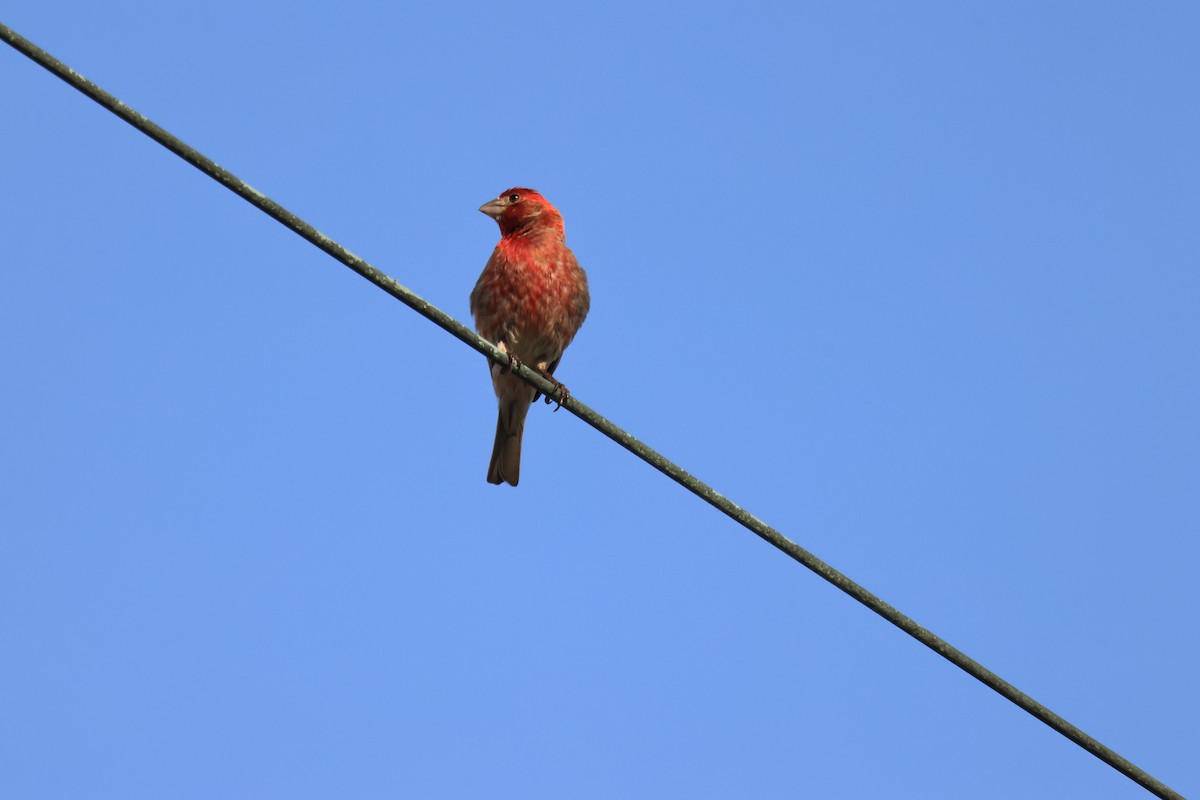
(529, 301)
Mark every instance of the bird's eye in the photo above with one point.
(512, 198)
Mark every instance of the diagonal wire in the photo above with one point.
(630, 443)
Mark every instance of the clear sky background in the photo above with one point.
(918, 284)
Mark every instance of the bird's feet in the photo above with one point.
(512, 365)
(564, 394)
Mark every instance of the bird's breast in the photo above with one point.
(529, 292)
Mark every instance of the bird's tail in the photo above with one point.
(505, 466)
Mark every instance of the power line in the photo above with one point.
(630, 443)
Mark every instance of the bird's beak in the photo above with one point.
(494, 208)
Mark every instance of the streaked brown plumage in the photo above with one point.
(530, 301)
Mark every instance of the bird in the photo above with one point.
(530, 301)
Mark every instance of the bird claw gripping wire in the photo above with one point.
(512, 366)
(564, 394)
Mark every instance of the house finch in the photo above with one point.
(529, 302)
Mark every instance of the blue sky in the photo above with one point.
(916, 284)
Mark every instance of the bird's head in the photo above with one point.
(519, 211)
